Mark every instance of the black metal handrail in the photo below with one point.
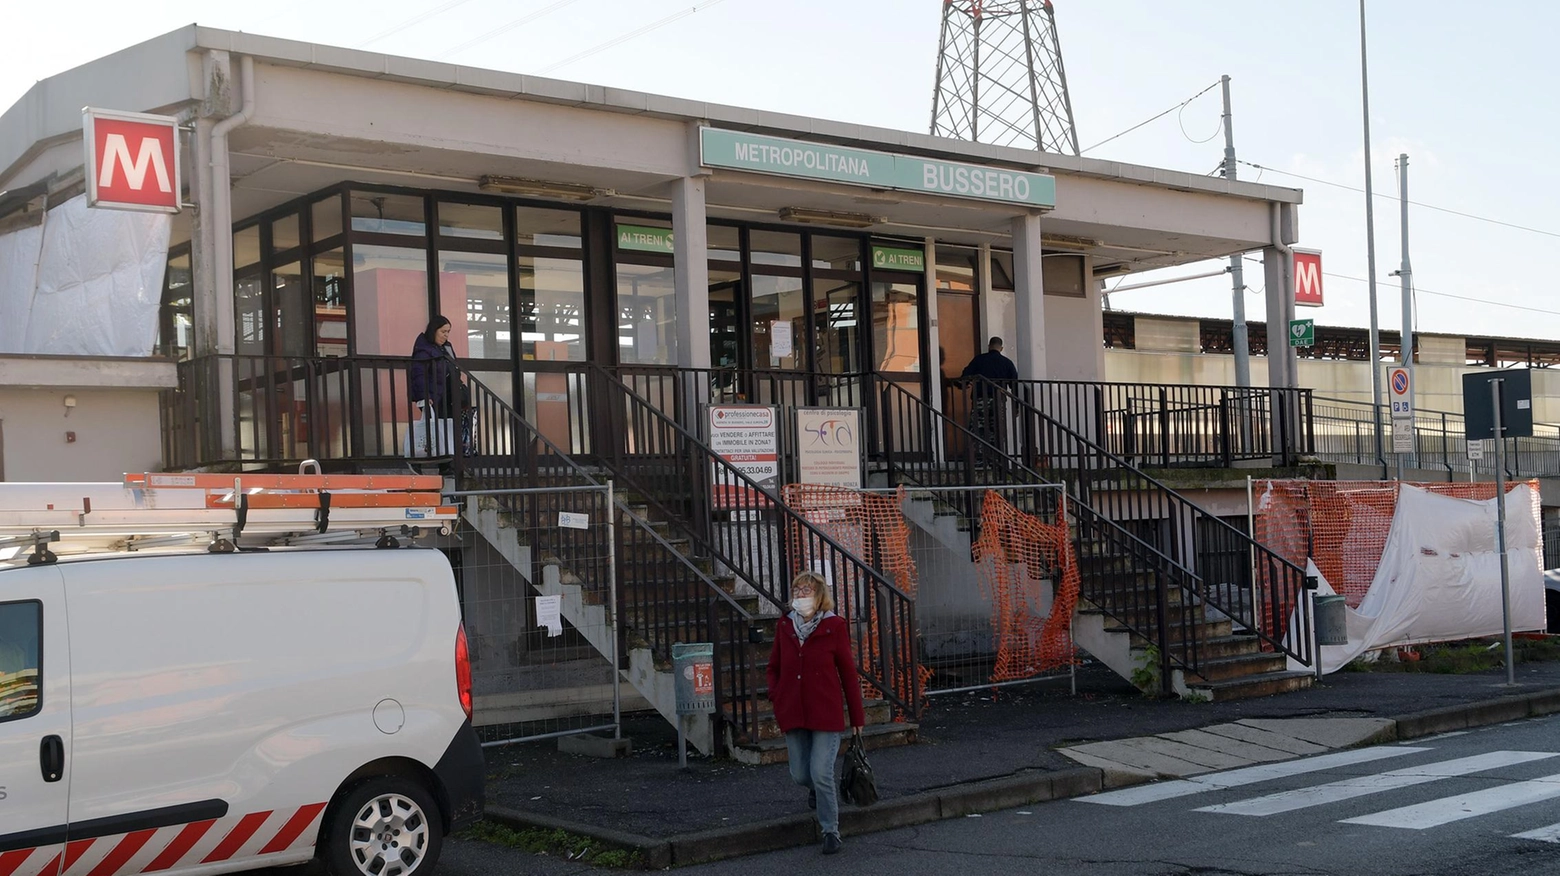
(1228, 562)
(1115, 561)
(666, 599)
(743, 527)
(681, 604)
(1167, 425)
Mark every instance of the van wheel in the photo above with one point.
(388, 826)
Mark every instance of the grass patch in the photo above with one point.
(1462, 658)
(556, 843)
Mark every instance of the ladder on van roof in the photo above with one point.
(224, 512)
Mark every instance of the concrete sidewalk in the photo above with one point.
(983, 752)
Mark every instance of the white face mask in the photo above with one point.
(804, 605)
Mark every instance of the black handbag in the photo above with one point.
(856, 783)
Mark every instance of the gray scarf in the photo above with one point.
(804, 628)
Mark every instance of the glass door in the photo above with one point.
(897, 345)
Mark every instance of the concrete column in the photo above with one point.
(1027, 346)
(1283, 363)
(691, 265)
(202, 245)
(988, 302)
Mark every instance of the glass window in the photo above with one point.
(725, 327)
(537, 227)
(896, 327)
(284, 233)
(837, 324)
(956, 268)
(836, 253)
(474, 295)
(647, 315)
(778, 330)
(249, 314)
(724, 243)
(246, 247)
(471, 220)
(21, 657)
(775, 248)
(389, 298)
(294, 321)
(330, 304)
(176, 326)
(1063, 275)
(388, 214)
(551, 309)
(327, 218)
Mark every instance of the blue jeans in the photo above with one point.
(812, 754)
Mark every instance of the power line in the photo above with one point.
(1167, 112)
(415, 20)
(523, 20)
(628, 36)
(1418, 289)
(1415, 203)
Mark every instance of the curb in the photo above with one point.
(956, 801)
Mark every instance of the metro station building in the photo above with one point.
(336, 199)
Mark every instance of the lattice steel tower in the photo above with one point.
(1000, 78)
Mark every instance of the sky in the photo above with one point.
(1466, 90)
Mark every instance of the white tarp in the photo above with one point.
(1439, 576)
(87, 282)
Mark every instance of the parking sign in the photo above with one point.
(1400, 393)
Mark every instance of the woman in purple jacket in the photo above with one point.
(812, 679)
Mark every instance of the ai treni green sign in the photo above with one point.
(891, 258)
(643, 238)
(880, 170)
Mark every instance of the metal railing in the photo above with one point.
(1345, 432)
(667, 599)
(1132, 581)
(729, 517)
(1552, 548)
(1177, 528)
(661, 597)
(1173, 425)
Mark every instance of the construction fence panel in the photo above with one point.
(1342, 526)
(537, 579)
(988, 561)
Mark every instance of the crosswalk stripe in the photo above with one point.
(1359, 786)
(1460, 806)
(1550, 834)
(1245, 776)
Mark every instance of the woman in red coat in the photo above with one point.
(812, 678)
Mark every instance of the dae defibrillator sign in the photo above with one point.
(132, 161)
(1302, 333)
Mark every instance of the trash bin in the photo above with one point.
(1332, 626)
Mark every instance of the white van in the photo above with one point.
(207, 712)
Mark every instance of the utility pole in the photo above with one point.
(1237, 275)
(1374, 354)
(1406, 275)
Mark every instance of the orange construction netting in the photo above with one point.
(1029, 639)
(874, 529)
(1341, 525)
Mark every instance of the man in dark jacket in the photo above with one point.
(993, 366)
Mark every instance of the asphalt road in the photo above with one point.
(1428, 807)
(1484, 801)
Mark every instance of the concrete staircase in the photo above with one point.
(655, 585)
(1233, 664)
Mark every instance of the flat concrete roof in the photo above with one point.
(50, 110)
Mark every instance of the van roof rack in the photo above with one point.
(223, 512)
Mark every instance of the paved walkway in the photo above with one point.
(981, 752)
